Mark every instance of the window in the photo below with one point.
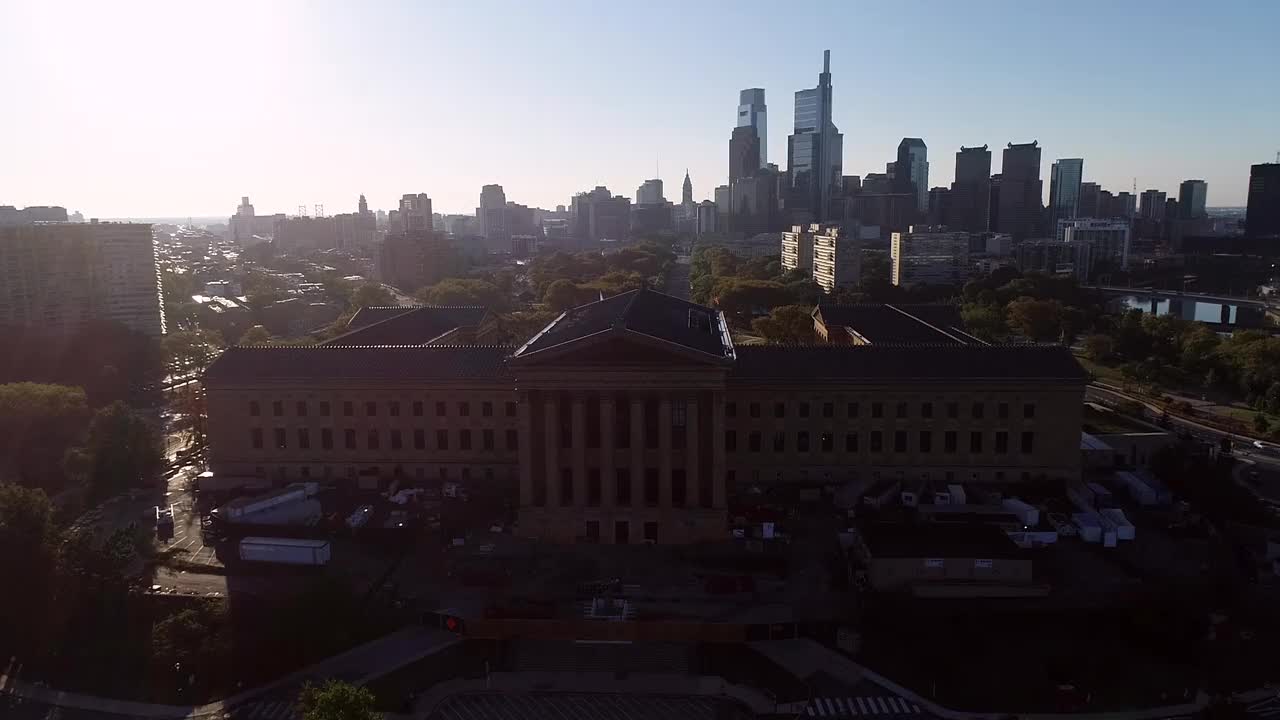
(901, 410)
(828, 442)
(1002, 411)
(370, 408)
(304, 439)
(592, 534)
(464, 439)
(651, 532)
(804, 409)
(509, 408)
(828, 410)
(442, 439)
(926, 410)
(1028, 411)
(753, 442)
(802, 441)
(486, 409)
(622, 487)
(255, 436)
(779, 410)
(440, 409)
(622, 424)
(277, 408)
(395, 408)
(566, 487)
(877, 441)
(949, 441)
(730, 441)
(754, 410)
(593, 487)
(877, 410)
(926, 441)
(851, 442)
(513, 440)
(464, 409)
(975, 441)
(651, 424)
(953, 410)
(254, 408)
(900, 441)
(348, 408)
(397, 441)
(679, 424)
(417, 408)
(349, 439)
(621, 532)
(779, 441)
(1028, 442)
(1002, 442)
(978, 411)
(731, 409)
(651, 487)
(486, 439)
(324, 408)
(851, 409)
(419, 439)
(372, 440)
(281, 442)
(539, 492)
(679, 488)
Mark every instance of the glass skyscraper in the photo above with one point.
(752, 112)
(814, 151)
(1064, 188)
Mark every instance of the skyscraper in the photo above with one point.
(1151, 205)
(1191, 199)
(493, 214)
(1089, 197)
(650, 192)
(686, 190)
(753, 113)
(971, 191)
(415, 213)
(744, 153)
(1021, 190)
(1262, 218)
(1064, 189)
(911, 171)
(363, 206)
(814, 151)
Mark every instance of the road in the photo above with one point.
(678, 278)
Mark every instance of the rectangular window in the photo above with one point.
(464, 409)
(753, 442)
(926, 441)
(348, 408)
(900, 441)
(754, 410)
(851, 442)
(593, 487)
(975, 441)
(949, 441)
(419, 439)
(621, 532)
(731, 409)
(324, 408)
(651, 487)
(513, 440)
(509, 408)
(1002, 442)
(730, 441)
(779, 441)
(651, 424)
(651, 532)
(622, 424)
(1028, 411)
(804, 409)
(566, 487)
(417, 408)
(1002, 411)
(877, 410)
(281, 442)
(828, 410)
(802, 441)
(370, 408)
(486, 439)
(464, 439)
(679, 488)
(304, 439)
(372, 440)
(953, 410)
(1028, 442)
(622, 487)
(828, 442)
(442, 439)
(255, 436)
(851, 410)
(679, 424)
(277, 408)
(486, 409)
(901, 411)
(877, 441)
(441, 410)
(349, 439)
(254, 408)
(926, 410)
(779, 410)
(978, 411)
(397, 440)
(395, 408)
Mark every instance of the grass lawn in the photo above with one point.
(1102, 372)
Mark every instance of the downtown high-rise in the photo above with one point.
(1021, 191)
(911, 171)
(1192, 195)
(814, 152)
(1065, 177)
(1262, 217)
(970, 209)
(753, 113)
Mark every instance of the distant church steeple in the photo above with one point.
(686, 197)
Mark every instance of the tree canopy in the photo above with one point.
(122, 451)
(38, 425)
(337, 700)
(789, 324)
(464, 291)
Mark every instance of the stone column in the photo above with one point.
(692, 489)
(551, 433)
(664, 451)
(718, 465)
(608, 481)
(637, 451)
(525, 430)
(578, 418)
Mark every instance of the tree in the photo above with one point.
(1036, 319)
(372, 294)
(463, 291)
(191, 351)
(122, 451)
(744, 298)
(337, 700)
(1099, 347)
(1261, 424)
(38, 424)
(515, 329)
(562, 295)
(787, 324)
(983, 321)
(190, 642)
(256, 335)
(30, 540)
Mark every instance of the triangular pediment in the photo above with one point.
(618, 347)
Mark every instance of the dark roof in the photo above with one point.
(806, 363)
(406, 325)
(644, 312)
(899, 324)
(357, 362)
(936, 540)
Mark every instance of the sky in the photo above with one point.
(176, 108)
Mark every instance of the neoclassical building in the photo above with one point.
(636, 418)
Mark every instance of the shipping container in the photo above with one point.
(285, 551)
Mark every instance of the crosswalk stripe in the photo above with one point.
(881, 702)
(811, 711)
(840, 706)
(915, 708)
(862, 706)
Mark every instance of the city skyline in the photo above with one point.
(316, 113)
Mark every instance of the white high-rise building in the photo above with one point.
(927, 256)
(752, 112)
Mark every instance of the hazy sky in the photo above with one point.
(180, 107)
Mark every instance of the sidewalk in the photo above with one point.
(358, 665)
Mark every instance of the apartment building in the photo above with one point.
(930, 256)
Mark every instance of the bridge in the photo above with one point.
(1181, 295)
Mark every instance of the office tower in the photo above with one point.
(939, 206)
(929, 256)
(363, 206)
(994, 205)
(1089, 200)
(686, 190)
(1151, 205)
(1126, 205)
(814, 150)
(911, 171)
(1191, 199)
(744, 153)
(600, 215)
(10, 215)
(245, 227)
(1021, 190)
(876, 184)
(1064, 189)
(60, 276)
(414, 259)
(752, 113)
(708, 218)
(492, 215)
(971, 191)
(650, 193)
(722, 196)
(753, 202)
(414, 214)
(1262, 217)
(1108, 238)
(1055, 257)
